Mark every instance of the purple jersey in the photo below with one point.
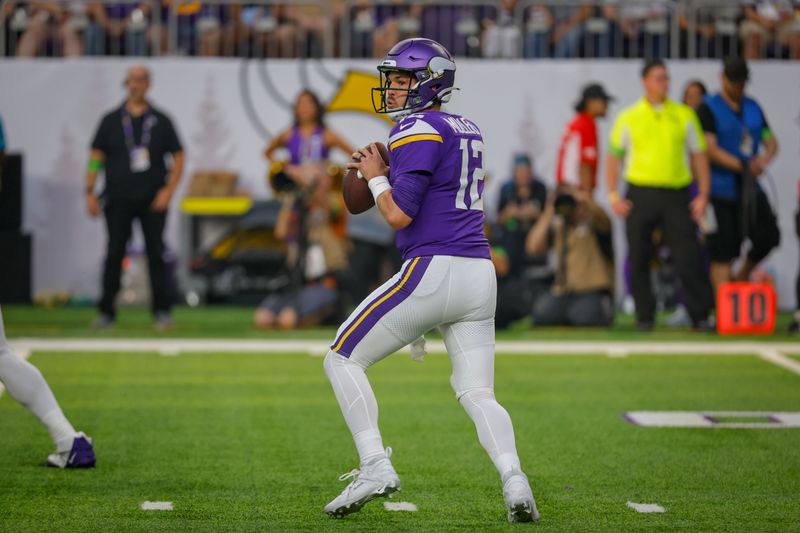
(309, 149)
(436, 162)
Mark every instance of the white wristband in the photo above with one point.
(379, 185)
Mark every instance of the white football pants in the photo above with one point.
(26, 385)
(456, 295)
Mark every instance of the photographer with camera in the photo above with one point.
(579, 232)
(312, 223)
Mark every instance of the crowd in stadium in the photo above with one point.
(500, 28)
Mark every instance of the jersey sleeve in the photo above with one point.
(173, 143)
(766, 132)
(695, 140)
(619, 142)
(588, 136)
(101, 136)
(706, 117)
(2, 138)
(414, 153)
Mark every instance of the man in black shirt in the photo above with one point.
(131, 144)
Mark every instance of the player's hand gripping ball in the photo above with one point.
(357, 196)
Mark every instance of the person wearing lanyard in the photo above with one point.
(652, 137)
(130, 145)
(736, 130)
(308, 142)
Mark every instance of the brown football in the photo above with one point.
(357, 196)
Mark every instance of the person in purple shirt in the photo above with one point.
(308, 141)
(431, 194)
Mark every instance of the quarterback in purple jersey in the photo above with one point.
(431, 194)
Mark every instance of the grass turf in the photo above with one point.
(236, 322)
(255, 442)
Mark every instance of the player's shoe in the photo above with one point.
(80, 455)
(103, 321)
(375, 480)
(519, 497)
(164, 322)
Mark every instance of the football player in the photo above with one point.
(433, 199)
(26, 385)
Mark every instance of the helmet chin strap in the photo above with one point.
(403, 112)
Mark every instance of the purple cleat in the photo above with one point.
(81, 455)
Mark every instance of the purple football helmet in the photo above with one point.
(433, 73)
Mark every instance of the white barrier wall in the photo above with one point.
(226, 110)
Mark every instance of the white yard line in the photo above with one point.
(714, 419)
(156, 506)
(646, 507)
(23, 353)
(770, 352)
(777, 358)
(400, 506)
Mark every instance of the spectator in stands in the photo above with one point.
(693, 94)
(644, 27)
(521, 276)
(199, 26)
(59, 22)
(311, 23)
(539, 21)
(579, 233)
(501, 35)
(569, 29)
(601, 30)
(118, 28)
(312, 221)
(258, 30)
(456, 27)
(375, 28)
(770, 23)
(577, 155)
(714, 29)
(308, 141)
(522, 199)
(557, 28)
(132, 143)
(652, 138)
(736, 128)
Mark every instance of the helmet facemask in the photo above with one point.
(415, 101)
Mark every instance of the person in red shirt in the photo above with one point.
(577, 155)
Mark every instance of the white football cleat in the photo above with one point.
(519, 497)
(375, 479)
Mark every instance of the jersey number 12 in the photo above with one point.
(478, 173)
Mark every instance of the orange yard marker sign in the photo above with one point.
(746, 308)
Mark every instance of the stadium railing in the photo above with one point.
(262, 28)
(354, 28)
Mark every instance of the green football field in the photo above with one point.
(255, 441)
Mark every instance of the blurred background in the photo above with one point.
(244, 227)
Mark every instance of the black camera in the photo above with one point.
(279, 180)
(565, 204)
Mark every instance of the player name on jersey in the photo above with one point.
(462, 126)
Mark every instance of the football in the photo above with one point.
(357, 196)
